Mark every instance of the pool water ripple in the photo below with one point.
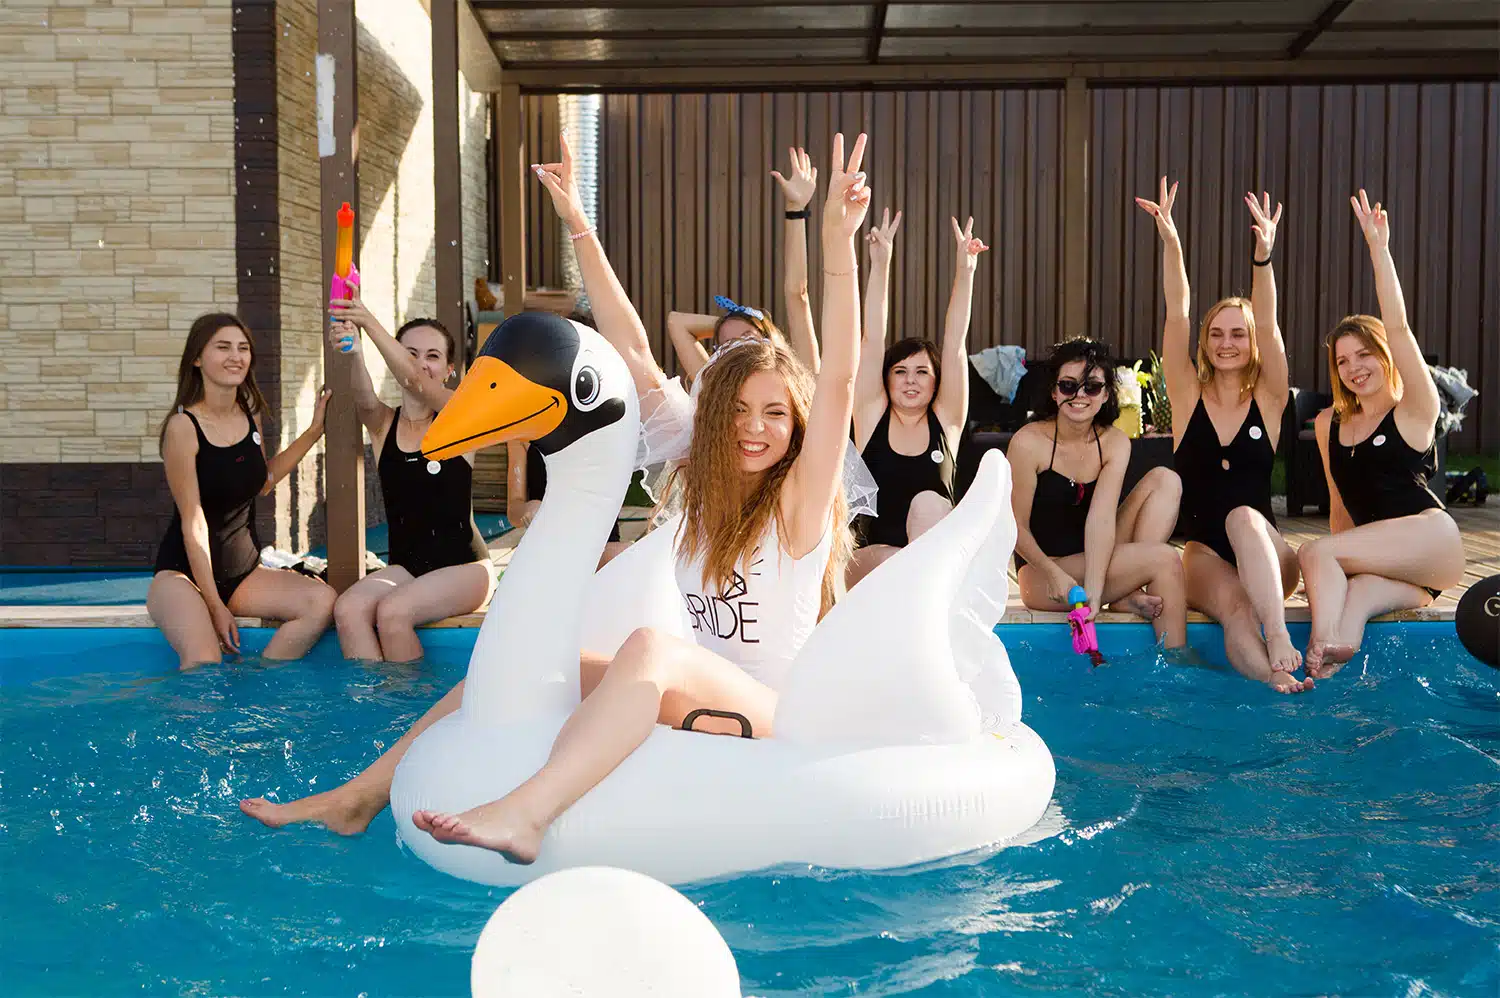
(1207, 837)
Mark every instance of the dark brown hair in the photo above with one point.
(190, 376)
(448, 339)
(910, 347)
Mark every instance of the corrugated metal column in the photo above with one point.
(338, 157)
(511, 156)
(447, 174)
(1075, 207)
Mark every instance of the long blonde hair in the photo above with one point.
(1371, 332)
(720, 520)
(1251, 375)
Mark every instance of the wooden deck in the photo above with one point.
(1480, 527)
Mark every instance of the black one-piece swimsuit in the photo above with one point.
(427, 504)
(1217, 479)
(1060, 508)
(229, 480)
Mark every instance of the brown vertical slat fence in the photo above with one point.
(688, 209)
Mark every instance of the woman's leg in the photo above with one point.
(349, 808)
(1149, 514)
(354, 612)
(654, 679)
(1133, 566)
(1218, 591)
(445, 592)
(304, 603)
(1265, 559)
(927, 509)
(865, 560)
(177, 608)
(1370, 596)
(1420, 550)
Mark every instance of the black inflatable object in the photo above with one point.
(1478, 621)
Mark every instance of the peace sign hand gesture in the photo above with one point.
(803, 183)
(1162, 210)
(1374, 221)
(969, 248)
(882, 237)
(848, 197)
(558, 179)
(1265, 224)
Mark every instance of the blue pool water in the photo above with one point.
(1207, 837)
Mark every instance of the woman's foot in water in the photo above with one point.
(1285, 682)
(347, 810)
(1140, 603)
(496, 826)
(1283, 655)
(1324, 658)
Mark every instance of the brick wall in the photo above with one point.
(157, 162)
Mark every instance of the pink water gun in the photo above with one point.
(345, 274)
(1085, 639)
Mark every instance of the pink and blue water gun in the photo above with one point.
(345, 275)
(1085, 638)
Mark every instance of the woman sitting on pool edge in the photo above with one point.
(1067, 468)
(208, 567)
(437, 565)
(907, 419)
(1239, 569)
(1393, 545)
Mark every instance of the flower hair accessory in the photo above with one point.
(729, 305)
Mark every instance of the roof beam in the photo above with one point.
(1323, 23)
(557, 78)
(877, 32)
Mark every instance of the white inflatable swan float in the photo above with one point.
(898, 734)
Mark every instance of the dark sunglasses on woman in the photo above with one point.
(1069, 388)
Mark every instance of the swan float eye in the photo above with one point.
(586, 390)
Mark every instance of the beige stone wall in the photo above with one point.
(116, 216)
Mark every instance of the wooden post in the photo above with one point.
(338, 155)
(512, 168)
(447, 175)
(1075, 271)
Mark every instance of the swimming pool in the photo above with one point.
(1207, 836)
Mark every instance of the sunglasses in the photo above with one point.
(1068, 388)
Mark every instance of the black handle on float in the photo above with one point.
(728, 715)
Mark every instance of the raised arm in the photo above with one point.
(1420, 401)
(798, 189)
(398, 360)
(686, 331)
(1177, 358)
(617, 318)
(179, 453)
(1099, 526)
(1275, 376)
(952, 402)
(281, 465)
(869, 389)
(817, 476)
(373, 414)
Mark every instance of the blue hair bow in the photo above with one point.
(728, 305)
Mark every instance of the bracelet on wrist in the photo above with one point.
(802, 213)
(579, 235)
(1260, 263)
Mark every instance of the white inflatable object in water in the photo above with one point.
(600, 932)
(898, 737)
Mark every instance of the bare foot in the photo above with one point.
(1284, 657)
(1140, 603)
(1325, 658)
(490, 826)
(345, 810)
(1285, 682)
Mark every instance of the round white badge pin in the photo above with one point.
(255, 436)
(1378, 441)
(1255, 433)
(433, 467)
(937, 457)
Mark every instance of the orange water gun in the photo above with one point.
(345, 274)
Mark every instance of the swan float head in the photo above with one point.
(540, 378)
